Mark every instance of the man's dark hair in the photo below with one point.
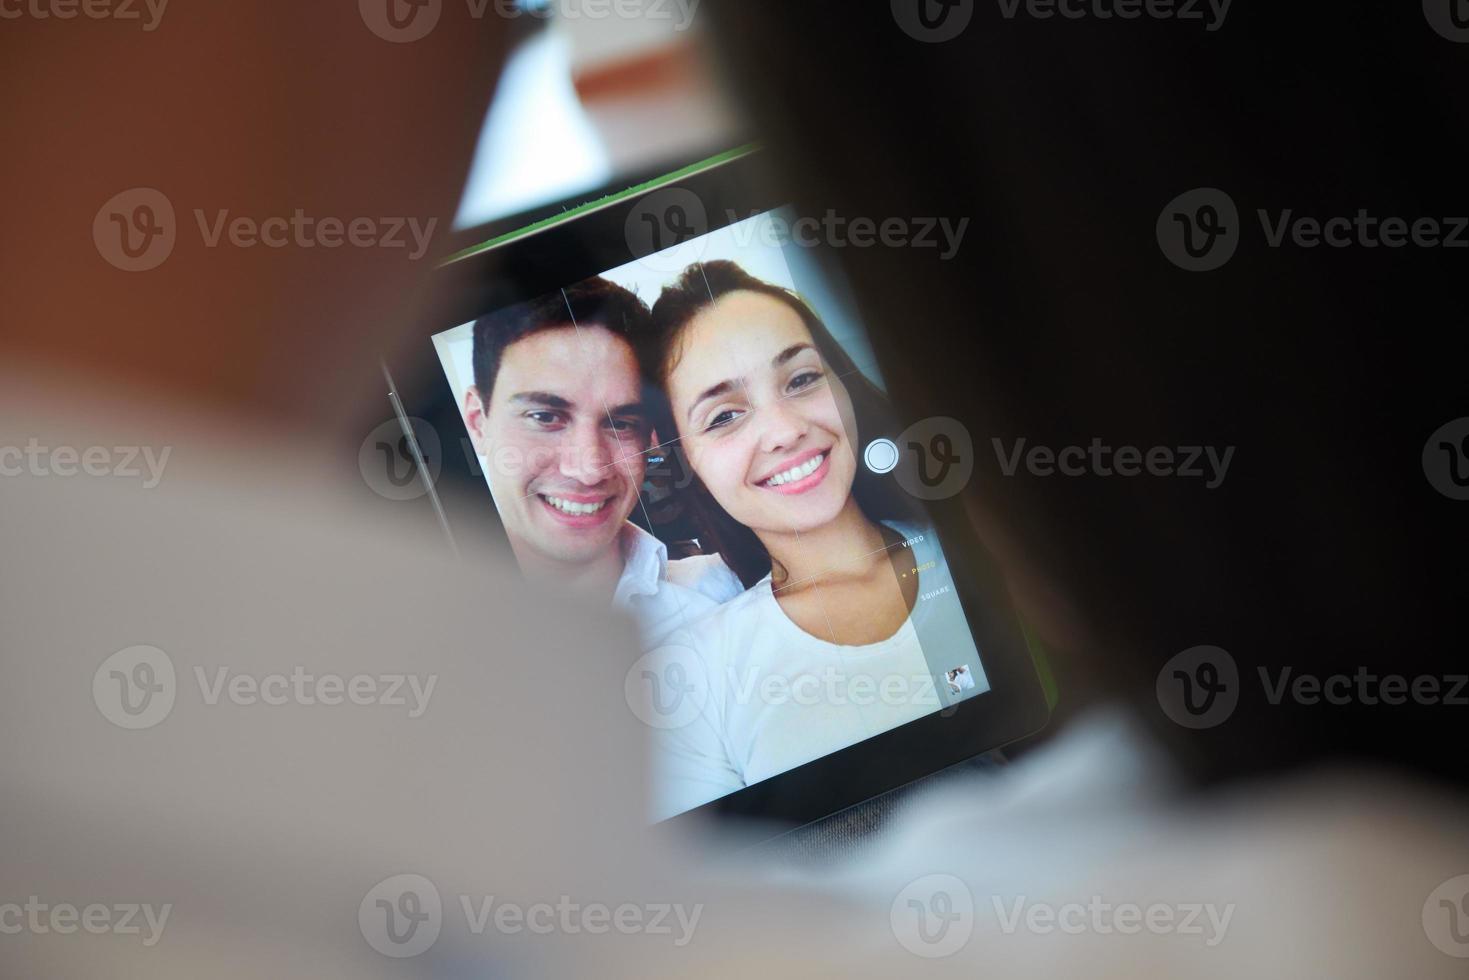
(591, 302)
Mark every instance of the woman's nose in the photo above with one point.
(780, 425)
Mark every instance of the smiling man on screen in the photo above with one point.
(558, 412)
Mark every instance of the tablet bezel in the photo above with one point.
(591, 240)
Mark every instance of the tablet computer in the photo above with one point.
(667, 399)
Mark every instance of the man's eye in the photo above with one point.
(804, 380)
(543, 418)
(624, 425)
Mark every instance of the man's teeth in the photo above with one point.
(796, 472)
(572, 507)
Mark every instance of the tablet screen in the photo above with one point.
(702, 437)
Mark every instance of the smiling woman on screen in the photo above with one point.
(843, 577)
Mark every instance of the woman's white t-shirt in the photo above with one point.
(757, 695)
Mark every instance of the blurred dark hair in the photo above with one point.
(591, 302)
(1060, 321)
(699, 287)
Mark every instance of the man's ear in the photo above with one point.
(474, 420)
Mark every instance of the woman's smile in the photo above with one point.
(804, 472)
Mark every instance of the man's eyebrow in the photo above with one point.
(631, 408)
(789, 353)
(713, 391)
(541, 398)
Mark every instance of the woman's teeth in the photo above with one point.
(572, 507)
(796, 472)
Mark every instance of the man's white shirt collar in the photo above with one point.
(644, 564)
(664, 595)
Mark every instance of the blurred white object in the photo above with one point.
(537, 144)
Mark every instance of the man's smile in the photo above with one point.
(576, 510)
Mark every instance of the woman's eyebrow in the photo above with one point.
(725, 387)
(789, 353)
(714, 391)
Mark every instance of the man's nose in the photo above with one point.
(585, 454)
(780, 425)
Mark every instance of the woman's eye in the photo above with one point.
(804, 380)
(723, 418)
